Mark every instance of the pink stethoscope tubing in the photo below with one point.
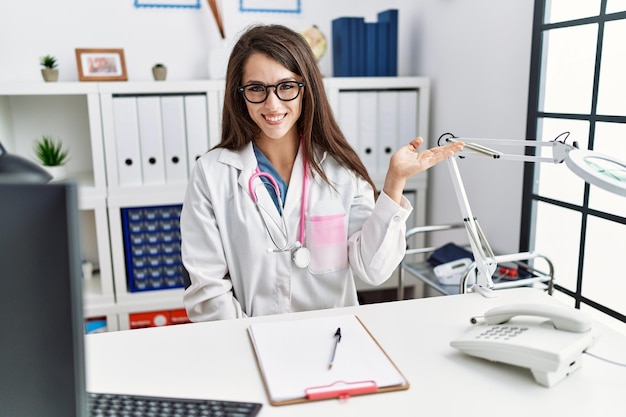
(251, 189)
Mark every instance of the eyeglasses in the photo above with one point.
(258, 93)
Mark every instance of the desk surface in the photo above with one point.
(215, 360)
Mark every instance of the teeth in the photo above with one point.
(274, 118)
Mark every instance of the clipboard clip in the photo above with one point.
(341, 389)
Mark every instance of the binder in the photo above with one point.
(342, 63)
(371, 49)
(390, 17)
(407, 116)
(174, 139)
(387, 128)
(215, 103)
(127, 141)
(357, 41)
(151, 139)
(368, 131)
(383, 65)
(293, 358)
(348, 117)
(197, 129)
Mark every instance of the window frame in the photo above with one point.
(534, 115)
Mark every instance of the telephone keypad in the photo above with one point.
(502, 332)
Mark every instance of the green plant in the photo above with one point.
(159, 65)
(48, 61)
(50, 152)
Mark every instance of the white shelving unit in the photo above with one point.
(82, 115)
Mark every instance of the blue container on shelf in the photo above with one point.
(152, 247)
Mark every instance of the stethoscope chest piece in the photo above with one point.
(301, 257)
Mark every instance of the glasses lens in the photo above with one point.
(256, 93)
(287, 90)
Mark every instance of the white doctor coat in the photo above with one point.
(225, 244)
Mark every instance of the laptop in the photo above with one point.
(42, 367)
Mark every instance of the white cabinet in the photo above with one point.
(69, 112)
(120, 167)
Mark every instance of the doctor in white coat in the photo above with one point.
(282, 215)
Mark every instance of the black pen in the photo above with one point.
(337, 340)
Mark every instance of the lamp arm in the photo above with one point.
(483, 255)
(473, 148)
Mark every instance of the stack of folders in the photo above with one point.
(305, 360)
(377, 123)
(366, 49)
(158, 138)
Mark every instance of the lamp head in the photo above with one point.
(603, 171)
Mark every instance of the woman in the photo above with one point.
(282, 214)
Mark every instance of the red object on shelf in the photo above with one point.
(149, 319)
(179, 316)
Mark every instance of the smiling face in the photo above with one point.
(277, 119)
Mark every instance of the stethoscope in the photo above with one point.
(301, 256)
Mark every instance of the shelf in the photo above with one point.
(160, 87)
(150, 301)
(154, 195)
(44, 88)
(82, 114)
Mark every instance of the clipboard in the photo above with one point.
(293, 358)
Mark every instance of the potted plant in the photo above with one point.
(50, 72)
(159, 72)
(52, 156)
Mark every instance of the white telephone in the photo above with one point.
(552, 349)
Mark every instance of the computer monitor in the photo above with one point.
(41, 319)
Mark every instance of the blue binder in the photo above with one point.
(390, 17)
(371, 49)
(342, 63)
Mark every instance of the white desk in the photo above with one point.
(215, 360)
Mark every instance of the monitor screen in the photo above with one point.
(41, 320)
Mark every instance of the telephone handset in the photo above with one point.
(520, 335)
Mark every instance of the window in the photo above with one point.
(578, 85)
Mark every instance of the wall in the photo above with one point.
(477, 54)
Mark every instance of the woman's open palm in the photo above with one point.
(406, 162)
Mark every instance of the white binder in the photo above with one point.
(215, 101)
(127, 141)
(407, 116)
(197, 129)
(174, 139)
(151, 139)
(388, 138)
(368, 130)
(348, 117)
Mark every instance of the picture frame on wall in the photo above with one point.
(270, 6)
(101, 64)
(191, 4)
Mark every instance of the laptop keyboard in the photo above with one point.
(122, 405)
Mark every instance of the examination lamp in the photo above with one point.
(601, 170)
(14, 168)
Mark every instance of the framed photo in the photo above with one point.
(194, 4)
(101, 65)
(270, 6)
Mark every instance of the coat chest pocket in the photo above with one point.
(326, 237)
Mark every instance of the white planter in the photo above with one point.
(58, 172)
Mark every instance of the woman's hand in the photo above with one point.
(406, 162)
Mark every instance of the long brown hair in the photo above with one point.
(317, 123)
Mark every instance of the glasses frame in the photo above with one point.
(242, 90)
